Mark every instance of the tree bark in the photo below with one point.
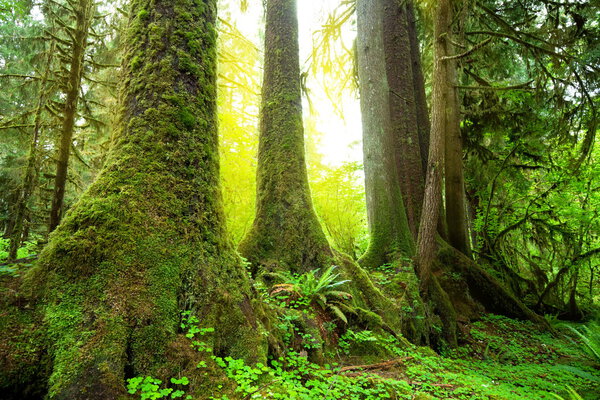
(285, 234)
(389, 230)
(423, 124)
(426, 243)
(404, 107)
(147, 239)
(83, 17)
(456, 208)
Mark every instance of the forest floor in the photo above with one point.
(500, 358)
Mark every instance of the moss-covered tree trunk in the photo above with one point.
(147, 238)
(84, 12)
(286, 234)
(390, 235)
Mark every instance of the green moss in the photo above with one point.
(136, 63)
(147, 238)
(142, 14)
(24, 366)
(187, 118)
(286, 234)
(367, 319)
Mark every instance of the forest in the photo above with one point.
(299, 199)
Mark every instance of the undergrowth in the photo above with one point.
(500, 359)
(12, 269)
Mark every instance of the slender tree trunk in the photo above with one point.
(32, 170)
(147, 239)
(423, 123)
(456, 208)
(426, 244)
(390, 235)
(83, 17)
(404, 103)
(12, 201)
(286, 234)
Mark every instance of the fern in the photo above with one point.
(320, 291)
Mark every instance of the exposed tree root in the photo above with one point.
(484, 288)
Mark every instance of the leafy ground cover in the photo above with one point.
(500, 359)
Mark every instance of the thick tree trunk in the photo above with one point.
(286, 234)
(147, 239)
(392, 147)
(390, 235)
(83, 17)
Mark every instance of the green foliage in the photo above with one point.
(339, 198)
(27, 250)
(351, 339)
(10, 9)
(532, 151)
(320, 292)
(533, 372)
(573, 395)
(294, 377)
(189, 324)
(149, 388)
(590, 338)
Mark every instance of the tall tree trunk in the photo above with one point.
(456, 208)
(423, 123)
(392, 147)
(427, 240)
(286, 234)
(32, 170)
(404, 103)
(83, 17)
(390, 235)
(147, 239)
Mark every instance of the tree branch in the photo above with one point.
(470, 51)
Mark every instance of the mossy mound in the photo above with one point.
(24, 363)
